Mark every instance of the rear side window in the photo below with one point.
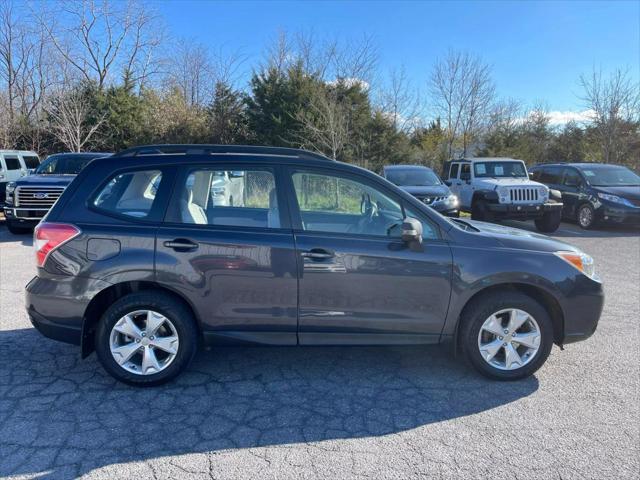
(31, 161)
(12, 162)
(551, 175)
(232, 198)
(453, 173)
(131, 194)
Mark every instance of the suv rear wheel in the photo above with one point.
(146, 339)
(506, 336)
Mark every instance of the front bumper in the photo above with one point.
(619, 215)
(445, 210)
(582, 309)
(26, 216)
(515, 211)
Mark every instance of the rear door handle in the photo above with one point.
(181, 244)
(318, 254)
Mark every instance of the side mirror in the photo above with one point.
(412, 232)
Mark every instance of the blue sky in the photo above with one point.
(537, 49)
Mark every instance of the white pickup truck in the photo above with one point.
(494, 189)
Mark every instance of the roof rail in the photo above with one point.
(196, 149)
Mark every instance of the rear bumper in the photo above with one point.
(56, 305)
(523, 210)
(582, 310)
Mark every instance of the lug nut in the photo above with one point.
(506, 332)
(137, 340)
(504, 344)
(500, 338)
(151, 338)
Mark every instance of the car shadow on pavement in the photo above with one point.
(62, 417)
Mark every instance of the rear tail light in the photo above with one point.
(47, 237)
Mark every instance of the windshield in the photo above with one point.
(500, 170)
(611, 177)
(413, 177)
(63, 164)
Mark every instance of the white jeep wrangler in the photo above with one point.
(494, 189)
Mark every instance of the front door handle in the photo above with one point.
(318, 254)
(181, 244)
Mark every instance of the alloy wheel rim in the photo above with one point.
(585, 216)
(144, 342)
(509, 339)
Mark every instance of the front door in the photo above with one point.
(358, 282)
(234, 261)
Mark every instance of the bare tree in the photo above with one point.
(400, 101)
(98, 37)
(191, 72)
(325, 123)
(462, 91)
(70, 118)
(614, 103)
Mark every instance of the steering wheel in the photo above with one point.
(369, 212)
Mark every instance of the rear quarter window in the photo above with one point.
(131, 194)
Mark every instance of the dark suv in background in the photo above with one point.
(593, 193)
(30, 198)
(424, 184)
(138, 262)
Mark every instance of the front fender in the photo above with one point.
(477, 269)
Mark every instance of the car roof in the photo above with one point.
(406, 167)
(578, 165)
(488, 159)
(81, 154)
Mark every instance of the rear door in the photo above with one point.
(234, 260)
(572, 190)
(358, 282)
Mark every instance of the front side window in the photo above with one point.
(12, 162)
(235, 198)
(131, 194)
(334, 204)
(453, 173)
(571, 178)
(550, 175)
(465, 172)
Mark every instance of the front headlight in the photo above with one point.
(452, 200)
(11, 186)
(579, 260)
(615, 199)
(503, 193)
(543, 192)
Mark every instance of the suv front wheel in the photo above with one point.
(146, 338)
(507, 335)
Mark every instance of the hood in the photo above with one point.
(511, 237)
(39, 179)
(516, 182)
(630, 193)
(435, 190)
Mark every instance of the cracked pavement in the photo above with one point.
(352, 412)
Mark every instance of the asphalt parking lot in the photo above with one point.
(328, 412)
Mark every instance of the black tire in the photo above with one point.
(586, 216)
(480, 212)
(477, 312)
(549, 222)
(16, 229)
(174, 310)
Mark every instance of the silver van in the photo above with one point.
(13, 165)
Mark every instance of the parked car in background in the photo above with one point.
(494, 189)
(424, 184)
(29, 198)
(15, 164)
(594, 193)
(137, 262)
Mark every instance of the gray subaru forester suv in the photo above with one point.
(139, 262)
